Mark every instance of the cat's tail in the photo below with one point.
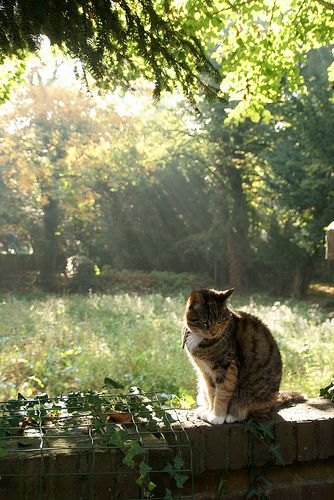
(286, 398)
(281, 400)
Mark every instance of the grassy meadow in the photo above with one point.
(57, 344)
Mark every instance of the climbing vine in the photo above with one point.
(328, 391)
(263, 431)
(110, 417)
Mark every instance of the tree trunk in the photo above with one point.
(237, 231)
(307, 275)
(50, 243)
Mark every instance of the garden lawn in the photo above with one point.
(57, 344)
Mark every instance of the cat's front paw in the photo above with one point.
(200, 412)
(213, 419)
(230, 419)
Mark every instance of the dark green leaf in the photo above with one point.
(144, 468)
(180, 479)
(267, 428)
(140, 480)
(134, 450)
(276, 453)
(223, 489)
(118, 438)
(109, 382)
(168, 495)
(178, 463)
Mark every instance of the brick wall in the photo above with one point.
(304, 433)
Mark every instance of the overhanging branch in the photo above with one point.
(327, 5)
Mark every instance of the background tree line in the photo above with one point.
(165, 188)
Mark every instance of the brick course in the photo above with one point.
(305, 435)
(304, 432)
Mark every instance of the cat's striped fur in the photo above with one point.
(237, 360)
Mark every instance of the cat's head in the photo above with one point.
(207, 313)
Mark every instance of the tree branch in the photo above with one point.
(325, 4)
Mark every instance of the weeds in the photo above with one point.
(59, 344)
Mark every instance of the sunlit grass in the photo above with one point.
(57, 344)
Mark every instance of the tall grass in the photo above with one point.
(58, 344)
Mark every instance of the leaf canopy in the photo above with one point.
(115, 42)
(255, 47)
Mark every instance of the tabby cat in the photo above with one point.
(237, 360)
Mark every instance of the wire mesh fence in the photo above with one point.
(94, 445)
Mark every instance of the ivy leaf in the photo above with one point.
(140, 481)
(250, 426)
(267, 483)
(178, 462)
(41, 397)
(168, 495)
(180, 479)
(254, 492)
(168, 468)
(328, 391)
(276, 453)
(118, 438)
(134, 450)
(109, 382)
(223, 489)
(151, 486)
(266, 428)
(173, 471)
(144, 468)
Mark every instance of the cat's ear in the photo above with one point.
(224, 295)
(196, 297)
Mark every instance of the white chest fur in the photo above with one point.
(193, 341)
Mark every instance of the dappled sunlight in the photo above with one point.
(320, 287)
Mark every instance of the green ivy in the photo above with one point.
(264, 432)
(223, 488)
(23, 413)
(328, 391)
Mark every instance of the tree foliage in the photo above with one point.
(115, 41)
(157, 188)
(301, 161)
(262, 46)
(257, 47)
(43, 145)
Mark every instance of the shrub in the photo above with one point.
(162, 282)
(81, 271)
